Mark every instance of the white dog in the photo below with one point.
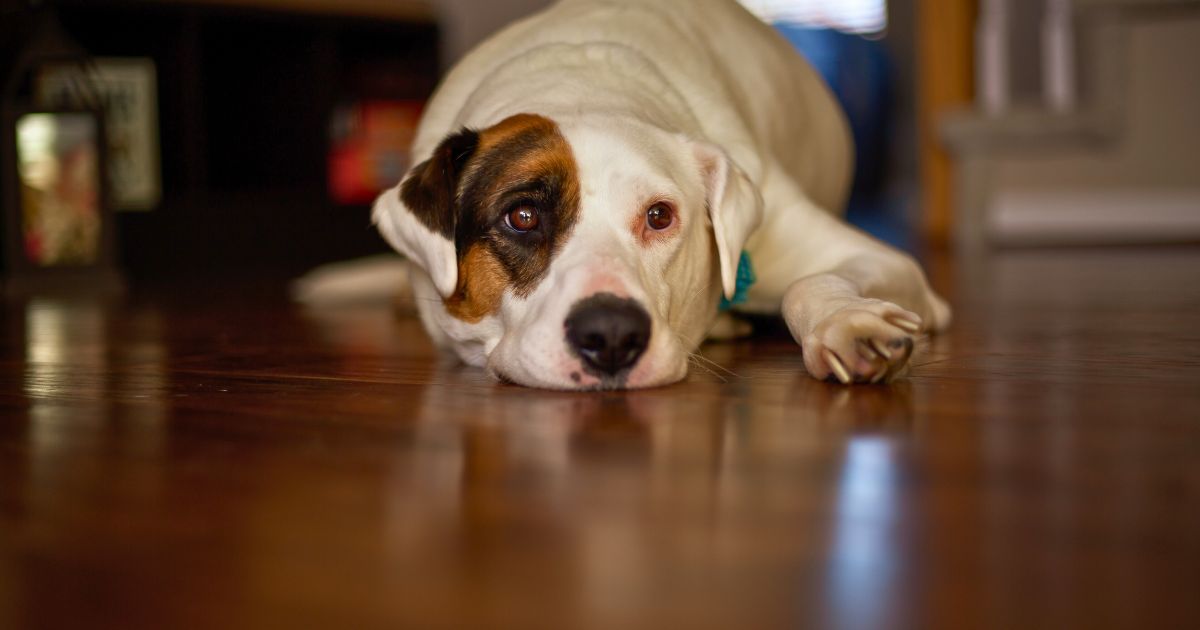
(590, 178)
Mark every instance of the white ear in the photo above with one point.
(420, 216)
(735, 207)
(430, 250)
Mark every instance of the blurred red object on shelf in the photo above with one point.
(369, 147)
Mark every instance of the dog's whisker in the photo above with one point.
(710, 373)
(687, 343)
(696, 357)
(695, 294)
(929, 362)
(692, 361)
(715, 364)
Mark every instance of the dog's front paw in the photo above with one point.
(865, 341)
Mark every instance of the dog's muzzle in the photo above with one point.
(608, 333)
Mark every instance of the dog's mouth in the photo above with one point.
(609, 384)
(575, 383)
(605, 383)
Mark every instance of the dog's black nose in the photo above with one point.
(609, 333)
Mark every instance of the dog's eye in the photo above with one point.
(659, 217)
(522, 218)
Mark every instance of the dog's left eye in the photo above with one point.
(522, 218)
(659, 217)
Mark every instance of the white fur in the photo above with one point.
(697, 102)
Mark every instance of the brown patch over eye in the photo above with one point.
(516, 203)
(659, 217)
(522, 219)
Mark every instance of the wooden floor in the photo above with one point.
(218, 459)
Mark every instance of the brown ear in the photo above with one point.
(419, 216)
(430, 187)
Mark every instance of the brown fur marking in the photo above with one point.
(521, 157)
(481, 284)
(515, 125)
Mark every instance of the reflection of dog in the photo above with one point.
(591, 177)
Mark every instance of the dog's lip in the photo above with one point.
(609, 384)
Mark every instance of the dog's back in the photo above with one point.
(749, 91)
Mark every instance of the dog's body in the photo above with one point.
(633, 135)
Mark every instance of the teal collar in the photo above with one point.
(745, 278)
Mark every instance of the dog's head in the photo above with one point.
(583, 256)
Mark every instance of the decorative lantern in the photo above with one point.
(58, 232)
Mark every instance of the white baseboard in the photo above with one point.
(1094, 216)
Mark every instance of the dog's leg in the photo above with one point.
(855, 305)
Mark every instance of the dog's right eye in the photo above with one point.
(522, 218)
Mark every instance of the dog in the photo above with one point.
(595, 179)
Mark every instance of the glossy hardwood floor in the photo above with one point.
(220, 459)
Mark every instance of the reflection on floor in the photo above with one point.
(222, 459)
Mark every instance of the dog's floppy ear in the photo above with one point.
(735, 207)
(419, 217)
